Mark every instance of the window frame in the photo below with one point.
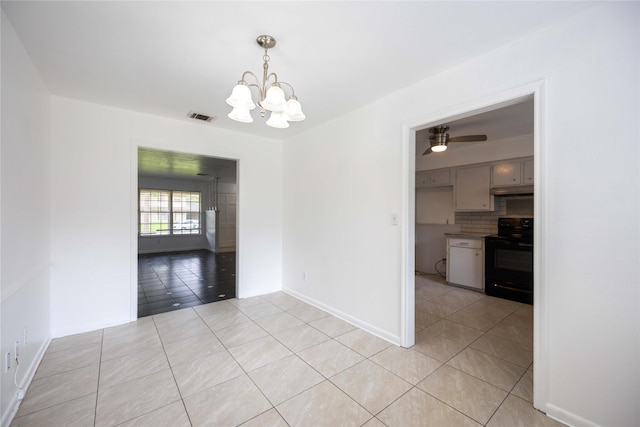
(170, 213)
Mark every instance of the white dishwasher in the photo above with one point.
(465, 262)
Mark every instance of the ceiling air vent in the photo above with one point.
(199, 116)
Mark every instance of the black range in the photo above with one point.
(509, 260)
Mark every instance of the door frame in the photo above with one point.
(133, 272)
(533, 90)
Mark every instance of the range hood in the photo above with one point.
(518, 190)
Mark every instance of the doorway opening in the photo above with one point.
(186, 230)
(475, 152)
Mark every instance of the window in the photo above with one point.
(166, 212)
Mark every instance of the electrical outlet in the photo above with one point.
(7, 362)
(304, 276)
(24, 337)
(16, 345)
(444, 261)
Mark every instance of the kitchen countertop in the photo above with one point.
(466, 235)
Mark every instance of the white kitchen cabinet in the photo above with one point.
(472, 189)
(434, 178)
(507, 174)
(465, 262)
(528, 172)
(510, 173)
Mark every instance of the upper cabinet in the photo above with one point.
(472, 186)
(472, 190)
(433, 178)
(528, 172)
(517, 172)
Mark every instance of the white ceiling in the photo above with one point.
(501, 123)
(169, 58)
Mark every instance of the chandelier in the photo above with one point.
(271, 97)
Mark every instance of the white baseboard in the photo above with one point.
(393, 339)
(14, 404)
(567, 417)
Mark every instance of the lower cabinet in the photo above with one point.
(465, 262)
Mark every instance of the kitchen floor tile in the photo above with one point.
(469, 395)
(271, 418)
(236, 401)
(524, 387)
(68, 360)
(417, 408)
(504, 349)
(488, 368)
(300, 337)
(363, 342)
(332, 326)
(59, 388)
(129, 400)
(79, 412)
(278, 322)
(330, 358)
(370, 385)
(132, 366)
(285, 378)
(174, 415)
(240, 334)
(206, 372)
(192, 348)
(408, 364)
(324, 404)
(437, 346)
(515, 412)
(259, 353)
(451, 330)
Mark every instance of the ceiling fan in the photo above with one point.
(439, 139)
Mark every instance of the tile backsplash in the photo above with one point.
(487, 222)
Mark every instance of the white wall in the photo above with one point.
(24, 238)
(93, 209)
(344, 179)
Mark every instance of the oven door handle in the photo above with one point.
(528, 245)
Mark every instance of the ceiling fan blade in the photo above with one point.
(468, 138)
(427, 151)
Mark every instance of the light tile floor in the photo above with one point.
(276, 361)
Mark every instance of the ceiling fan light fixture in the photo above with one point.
(271, 95)
(439, 148)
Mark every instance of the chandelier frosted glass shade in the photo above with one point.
(278, 120)
(274, 101)
(294, 110)
(271, 95)
(241, 97)
(241, 114)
